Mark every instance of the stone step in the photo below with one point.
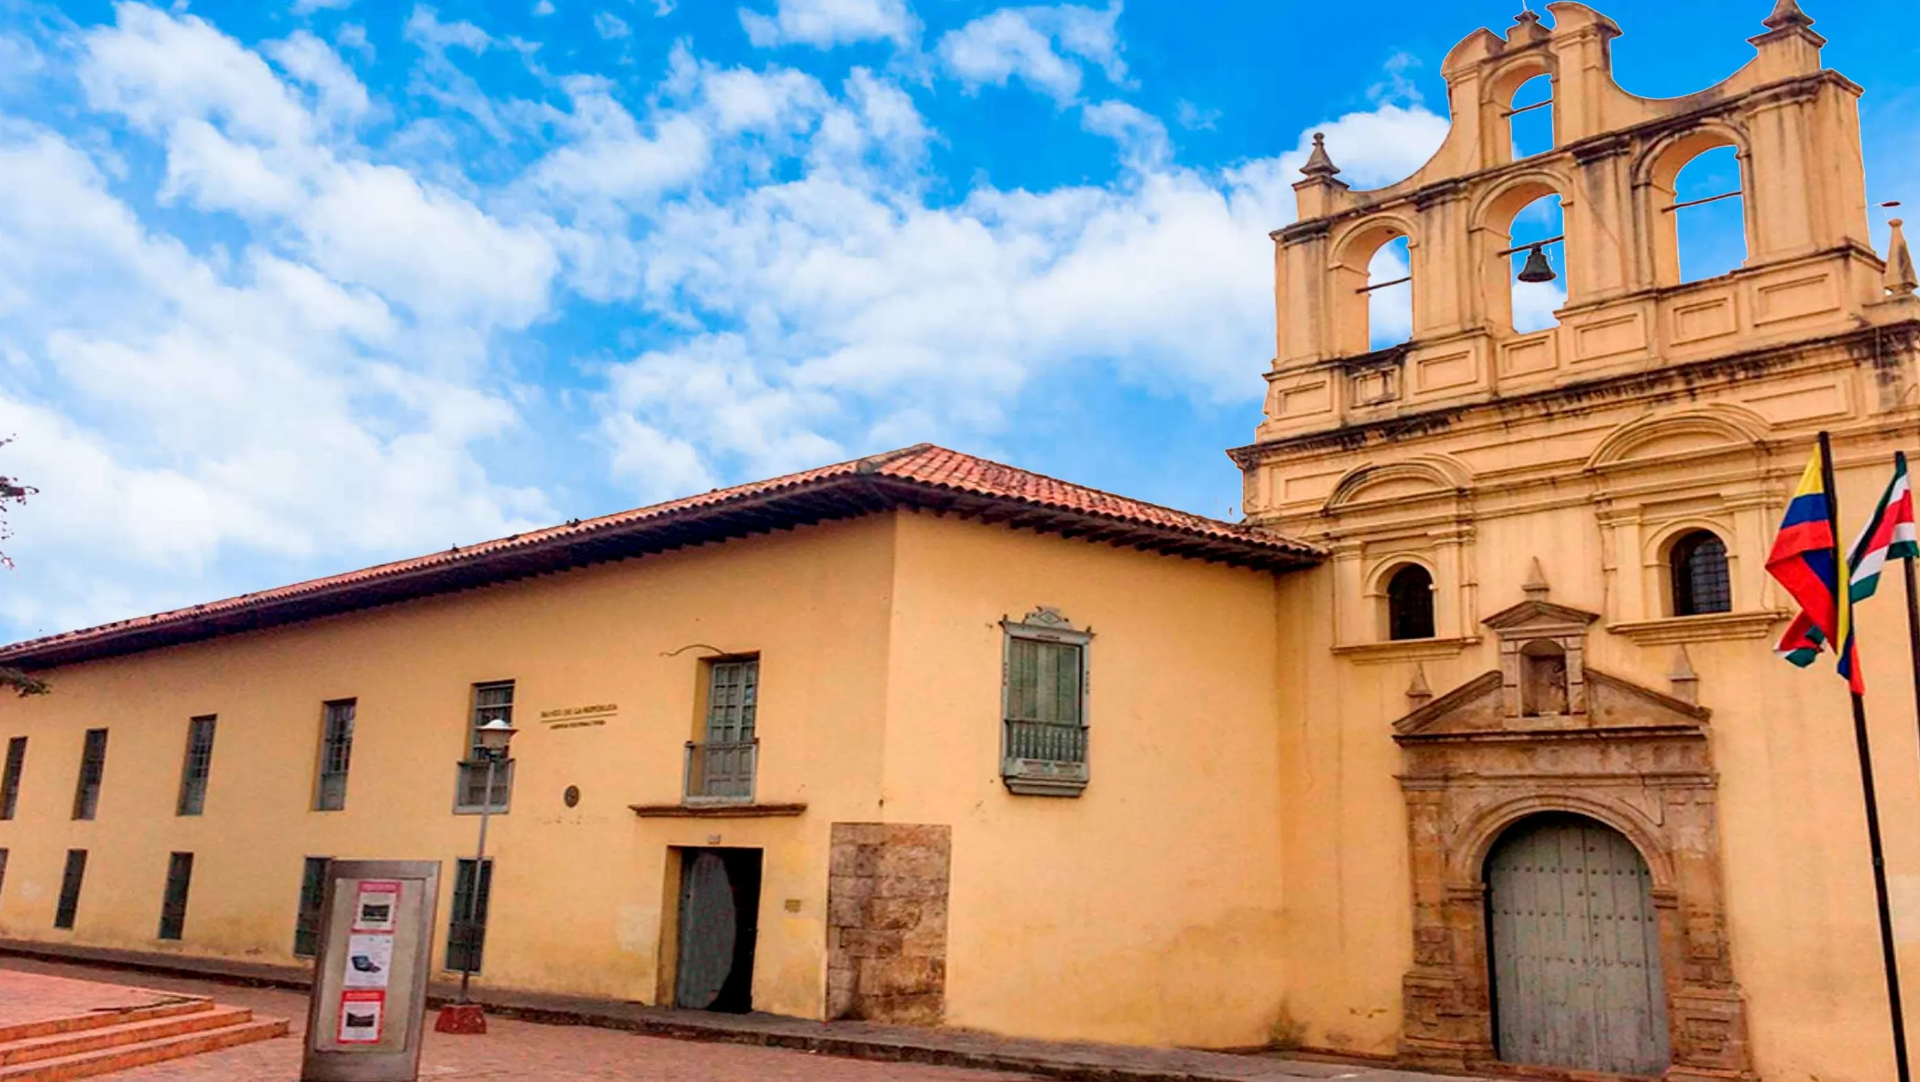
(162, 1008)
(55, 1045)
(121, 1057)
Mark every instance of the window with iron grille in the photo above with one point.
(3, 871)
(1410, 604)
(467, 930)
(490, 701)
(313, 894)
(1044, 705)
(10, 780)
(1701, 584)
(1043, 700)
(70, 880)
(720, 767)
(93, 767)
(173, 903)
(198, 765)
(336, 751)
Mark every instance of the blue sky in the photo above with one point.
(293, 286)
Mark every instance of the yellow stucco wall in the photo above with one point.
(1148, 908)
(1145, 911)
(577, 892)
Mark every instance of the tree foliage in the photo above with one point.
(13, 493)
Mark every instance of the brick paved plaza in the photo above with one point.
(737, 1047)
(510, 1050)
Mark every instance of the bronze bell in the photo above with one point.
(1537, 268)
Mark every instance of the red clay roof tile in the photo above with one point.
(923, 475)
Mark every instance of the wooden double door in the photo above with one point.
(1575, 949)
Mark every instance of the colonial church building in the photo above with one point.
(1467, 748)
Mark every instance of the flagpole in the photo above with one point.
(1890, 956)
(1913, 631)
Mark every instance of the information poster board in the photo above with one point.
(364, 1019)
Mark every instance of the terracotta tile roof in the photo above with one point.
(923, 476)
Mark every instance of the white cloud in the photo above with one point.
(425, 29)
(826, 23)
(1141, 136)
(610, 26)
(354, 36)
(859, 317)
(1037, 45)
(308, 7)
(317, 392)
(663, 8)
(543, 7)
(325, 379)
(1194, 118)
(341, 96)
(259, 408)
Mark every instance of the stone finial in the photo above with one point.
(1683, 680)
(1900, 279)
(1319, 164)
(1786, 14)
(1419, 693)
(1536, 587)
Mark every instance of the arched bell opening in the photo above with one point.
(1373, 287)
(1530, 117)
(1696, 203)
(1523, 239)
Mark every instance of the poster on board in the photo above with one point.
(376, 905)
(362, 1016)
(369, 960)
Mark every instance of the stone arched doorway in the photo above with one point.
(1573, 945)
(1547, 734)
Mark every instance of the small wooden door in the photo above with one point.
(1576, 949)
(709, 925)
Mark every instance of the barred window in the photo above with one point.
(1044, 706)
(3, 871)
(467, 928)
(313, 894)
(1410, 604)
(491, 701)
(336, 752)
(198, 765)
(93, 768)
(173, 903)
(70, 880)
(10, 779)
(1701, 584)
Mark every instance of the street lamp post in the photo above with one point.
(493, 738)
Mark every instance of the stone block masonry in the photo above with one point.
(887, 922)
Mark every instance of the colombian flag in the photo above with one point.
(1806, 560)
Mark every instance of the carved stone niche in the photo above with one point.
(1546, 733)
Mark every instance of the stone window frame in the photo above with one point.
(1053, 777)
(1739, 520)
(1640, 511)
(1362, 569)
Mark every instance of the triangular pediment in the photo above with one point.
(1534, 612)
(1477, 709)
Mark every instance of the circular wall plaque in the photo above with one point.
(571, 796)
